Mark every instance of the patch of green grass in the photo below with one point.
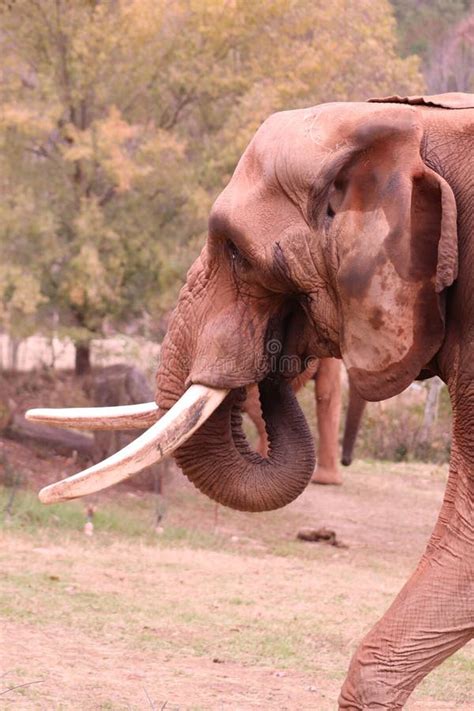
(238, 601)
(297, 549)
(30, 515)
(43, 598)
(178, 536)
(277, 647)
(277, 642)
(453, 679)
(133, 518)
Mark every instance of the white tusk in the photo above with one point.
(122, 417)
(166, 435)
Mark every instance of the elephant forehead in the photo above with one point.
(292, 150)
(292, 146)
(291, 153)
(297, 137)
(252, 214)
(277, 164)
(300, 147)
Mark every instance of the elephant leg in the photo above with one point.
(254, 410)
(262, 442)
(432, 616)
(328, 413)
(355, 410)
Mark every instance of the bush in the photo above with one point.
(391, 431)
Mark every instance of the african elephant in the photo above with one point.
(346, 231)
(326, 375)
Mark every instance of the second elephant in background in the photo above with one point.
(326, 374)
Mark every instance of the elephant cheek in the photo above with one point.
(230, 352)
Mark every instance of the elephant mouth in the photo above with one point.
(204, 432)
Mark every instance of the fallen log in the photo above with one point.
(123, 384)
(62, 441)
(115, 385)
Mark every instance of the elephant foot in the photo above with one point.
(330, 477)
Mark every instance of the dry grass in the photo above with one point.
(239, 616)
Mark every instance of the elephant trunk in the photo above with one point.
(220, 462)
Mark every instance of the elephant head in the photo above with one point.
(333, 238)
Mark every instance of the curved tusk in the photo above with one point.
(122, 417)
(166, 435)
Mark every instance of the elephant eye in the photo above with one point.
(237, 259)
(233, 251)
(335, 197)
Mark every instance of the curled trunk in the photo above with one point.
(220, 462)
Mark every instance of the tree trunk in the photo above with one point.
(83, 358)
(431, 410)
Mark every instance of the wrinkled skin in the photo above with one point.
(340, 235)
(326, 374)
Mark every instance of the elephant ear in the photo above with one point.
(451, 100)
(395, 229)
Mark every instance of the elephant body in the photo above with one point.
(345, 231)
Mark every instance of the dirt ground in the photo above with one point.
(221, 610)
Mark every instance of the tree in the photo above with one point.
(90, 165)
(423, 23)
(441, 32)
(451, 65)
(310, 52)
(430, 414)
(122, 119)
